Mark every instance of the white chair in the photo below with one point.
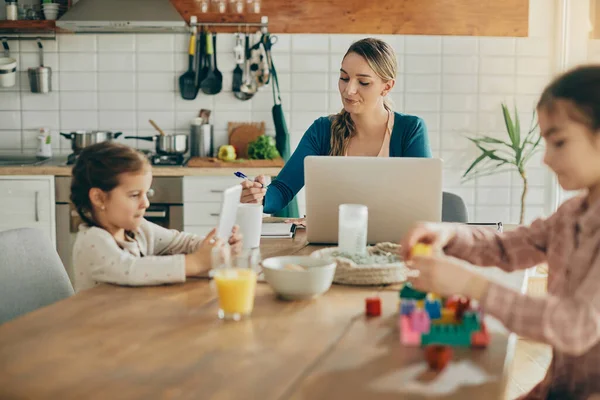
(31, 273)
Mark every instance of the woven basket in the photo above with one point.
(348, 272)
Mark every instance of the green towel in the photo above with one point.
(282, 136)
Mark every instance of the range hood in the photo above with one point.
(122, 16)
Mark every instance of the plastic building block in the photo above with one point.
(420, 304)
(451, 335)
(408, 292)
(461, 307)
(447, 317)
(480, 338)
(373, 306)
(471, 320)
(433, 308)
(407, 306)
(420, 321)
(408, 337)
(451, 303)
(438, 356)
(421, 249)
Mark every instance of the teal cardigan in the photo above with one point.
(408, 139)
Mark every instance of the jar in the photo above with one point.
(236, 6)
(253, 6)
(11, 10)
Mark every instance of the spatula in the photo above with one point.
(238, 72)
(187, 81)
(210, 84)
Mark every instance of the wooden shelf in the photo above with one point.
(408, 17)
(241, 19)
(25, 26)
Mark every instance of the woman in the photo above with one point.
(365, 127)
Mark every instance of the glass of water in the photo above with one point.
(352, 228)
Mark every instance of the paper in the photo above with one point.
(277, 230)
(455, 375)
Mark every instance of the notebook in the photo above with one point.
(274, 230)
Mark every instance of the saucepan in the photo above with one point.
(82, 139)
(166, 144)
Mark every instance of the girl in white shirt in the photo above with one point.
(115, 244)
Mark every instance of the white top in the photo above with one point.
(153, 255)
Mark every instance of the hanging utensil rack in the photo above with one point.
(28, 36)
(263, 25)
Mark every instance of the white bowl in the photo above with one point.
(299, 285)
(50, 15)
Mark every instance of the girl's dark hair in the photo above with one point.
(99, 166)
(579, 89)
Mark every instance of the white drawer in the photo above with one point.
(201, 189)
(200, 230)
(201, 213)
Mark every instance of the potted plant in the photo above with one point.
(498, 155)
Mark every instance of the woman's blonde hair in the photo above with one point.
(381, 58)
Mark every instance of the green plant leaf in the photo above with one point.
(519, 149)
(485, 173)
(477, 161)
(532, 150)
(510, 128)
(490, 140)
(492, 154)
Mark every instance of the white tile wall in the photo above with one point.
(456, 84)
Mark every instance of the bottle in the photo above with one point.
(11, 10)
(44, 149)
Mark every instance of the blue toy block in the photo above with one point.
(434, 309)
(407, 306)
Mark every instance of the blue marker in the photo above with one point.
(243, 176)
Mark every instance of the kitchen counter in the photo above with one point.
(57, 167)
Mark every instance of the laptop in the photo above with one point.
(397, 191)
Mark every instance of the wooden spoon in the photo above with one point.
(156, 127)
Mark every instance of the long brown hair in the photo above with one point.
(381, 58)
(99, 166)
(579, 89)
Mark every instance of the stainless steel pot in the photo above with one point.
(166, 144)
(82, 139)
(40, 78)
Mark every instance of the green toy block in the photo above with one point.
(454, 334)
(408, 292)
(471, 321)
(450, 335)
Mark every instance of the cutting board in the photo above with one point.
(241, 134)
(203, 162)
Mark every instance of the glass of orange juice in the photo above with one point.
(235, 281)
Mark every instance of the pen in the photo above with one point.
(243, 176)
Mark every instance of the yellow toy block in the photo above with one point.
(448, 317)
(421, 249)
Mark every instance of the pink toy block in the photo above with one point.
(420, 321)
(408, 337)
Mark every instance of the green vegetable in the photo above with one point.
(263, 148)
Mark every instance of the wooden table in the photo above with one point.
(167, 343)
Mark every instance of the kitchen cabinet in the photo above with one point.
(408, 17)
(28, 202)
